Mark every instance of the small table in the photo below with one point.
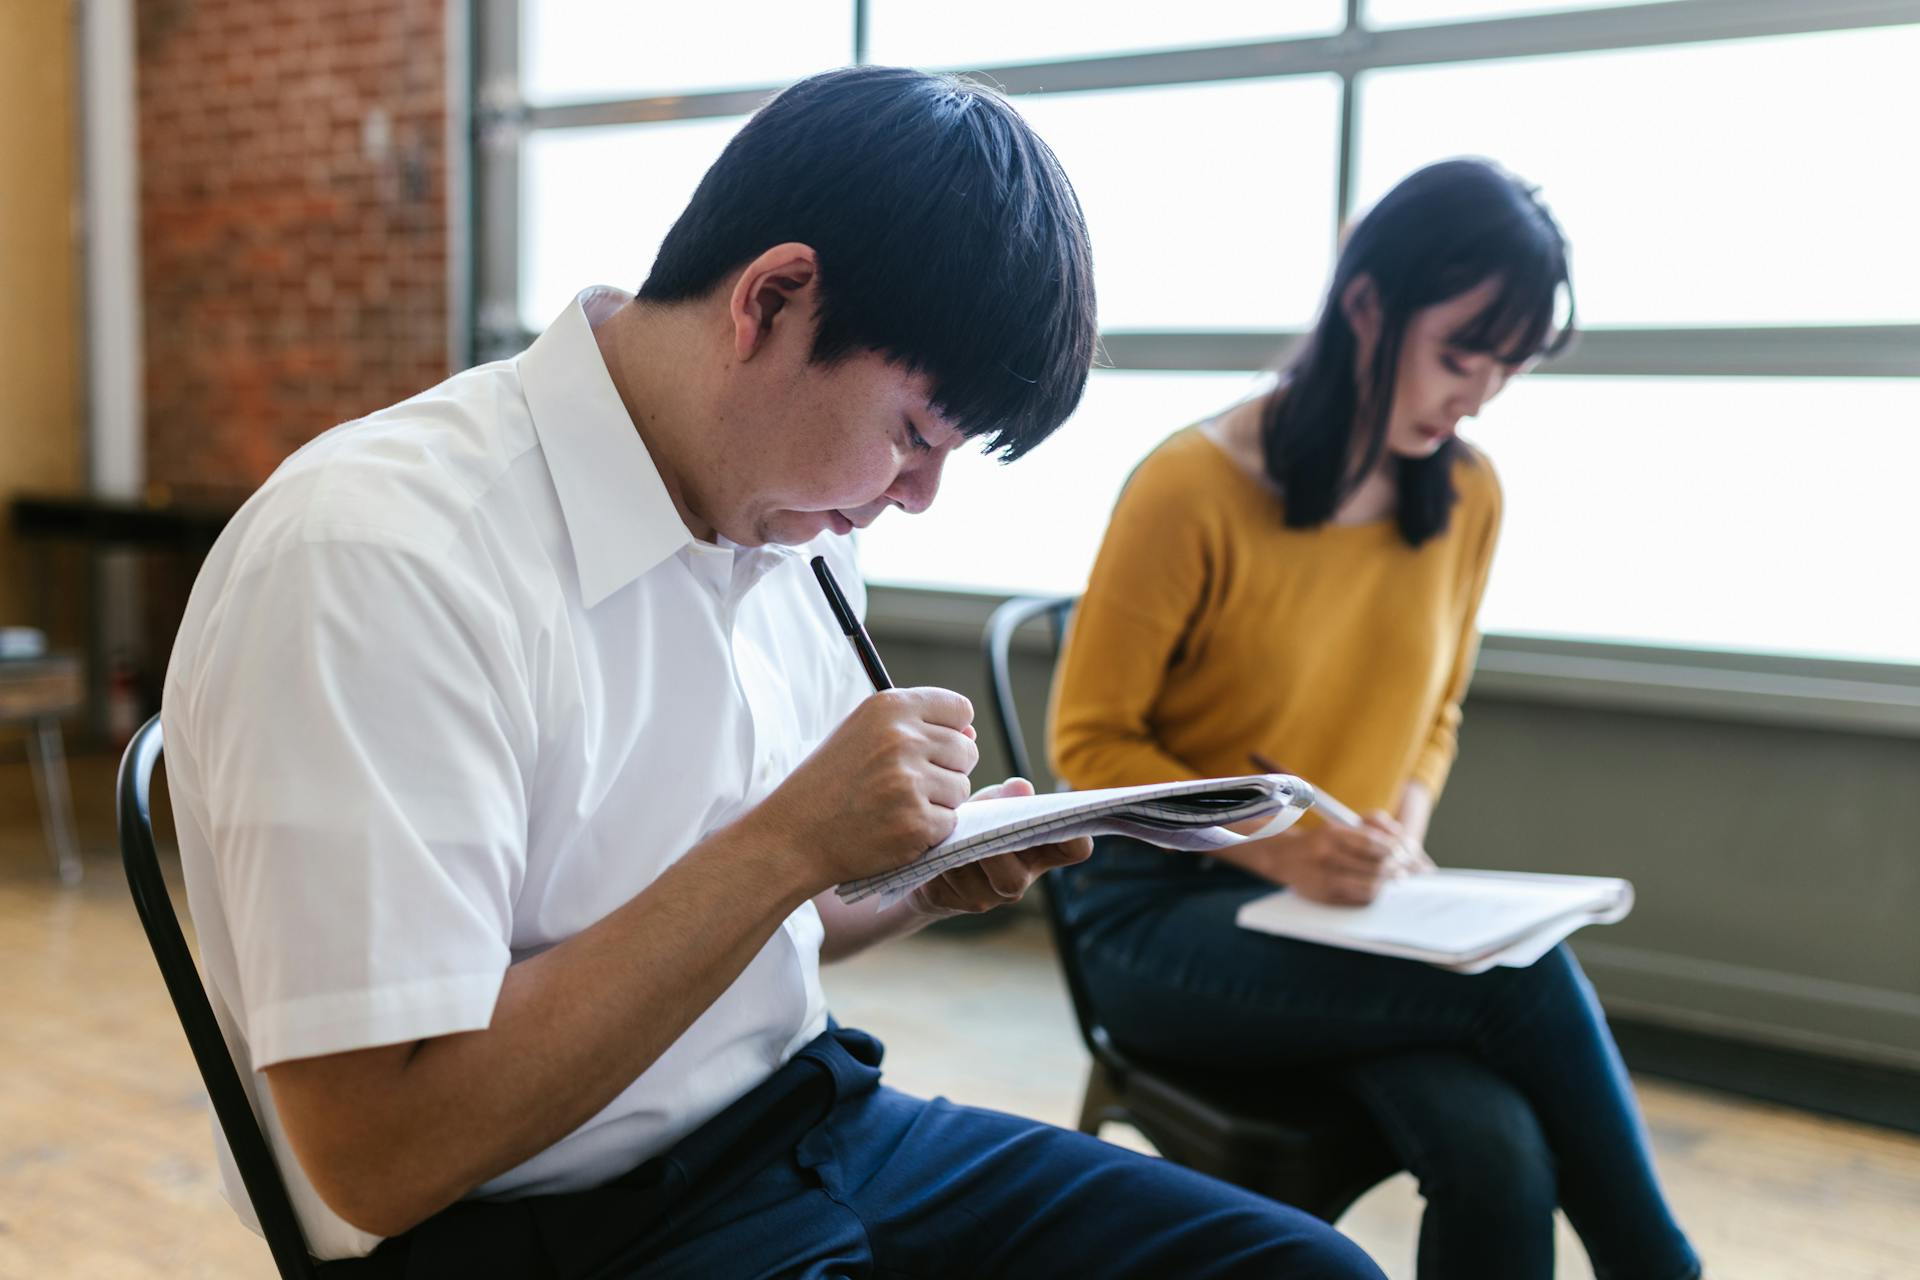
(37, 692)
(178, 533)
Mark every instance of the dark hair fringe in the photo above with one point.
(949, 240)
(1442, 232)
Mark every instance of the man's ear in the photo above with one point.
(777, 290)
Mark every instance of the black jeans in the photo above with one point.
(1503, 1092)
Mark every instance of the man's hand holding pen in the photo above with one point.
(909, 753)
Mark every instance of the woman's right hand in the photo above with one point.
(1343, 866)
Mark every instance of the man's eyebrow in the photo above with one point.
(932, 425)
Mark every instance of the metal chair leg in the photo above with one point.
(49, 760)
(1100, 1103)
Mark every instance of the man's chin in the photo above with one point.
(792, 528)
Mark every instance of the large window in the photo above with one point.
(596, 203)
(1749, 182)
(1718, 465)
(574, 51)
(981, 33)
(1719, 513)
(1188, 191)
(1036, 523)
(1404, 13)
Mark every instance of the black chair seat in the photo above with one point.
(1290, 1135)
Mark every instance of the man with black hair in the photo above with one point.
(514, 756)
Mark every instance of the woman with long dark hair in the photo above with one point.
(1298, 579)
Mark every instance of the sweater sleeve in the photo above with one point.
(1147, 587)
(1436, 757)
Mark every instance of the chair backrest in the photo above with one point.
(251, 1153)
(1001, 627)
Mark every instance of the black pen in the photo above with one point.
(862, 642)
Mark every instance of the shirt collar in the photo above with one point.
(619, 516)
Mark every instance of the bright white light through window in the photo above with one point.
(581, 50)
(1748, 182)
(986, 32)
(1034, 525)
(1768, 514)
(1209, 207)
(1237, 171)
(1746, 514)
(595, 204)
(1400, 13)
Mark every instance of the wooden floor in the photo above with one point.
(106, 1167)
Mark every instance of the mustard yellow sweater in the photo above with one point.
(1209, 629)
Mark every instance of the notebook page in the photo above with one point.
(1529, 949)
(979, 820)
(987, 827)
(1445, 916)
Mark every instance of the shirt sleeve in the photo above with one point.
(362, 729)
(1437, 754)
(1147, 586)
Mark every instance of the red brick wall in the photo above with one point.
(293, 224)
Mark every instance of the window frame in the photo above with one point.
(1825, 692)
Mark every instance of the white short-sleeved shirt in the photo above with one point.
(455, 684)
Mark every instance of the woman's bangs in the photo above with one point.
(1522, 321)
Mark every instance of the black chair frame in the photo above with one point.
(1290, 1135)
(251, 1153)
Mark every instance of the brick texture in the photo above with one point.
(293, 219)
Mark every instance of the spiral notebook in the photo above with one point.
(1174, 815)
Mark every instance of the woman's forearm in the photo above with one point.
(1416, 810)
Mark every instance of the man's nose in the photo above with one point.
(914, 488)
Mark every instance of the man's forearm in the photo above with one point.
(851, 929)
(390, 1136)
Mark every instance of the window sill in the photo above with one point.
(1820, 693)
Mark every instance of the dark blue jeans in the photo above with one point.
(821, 1173)
(1503, 1092)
